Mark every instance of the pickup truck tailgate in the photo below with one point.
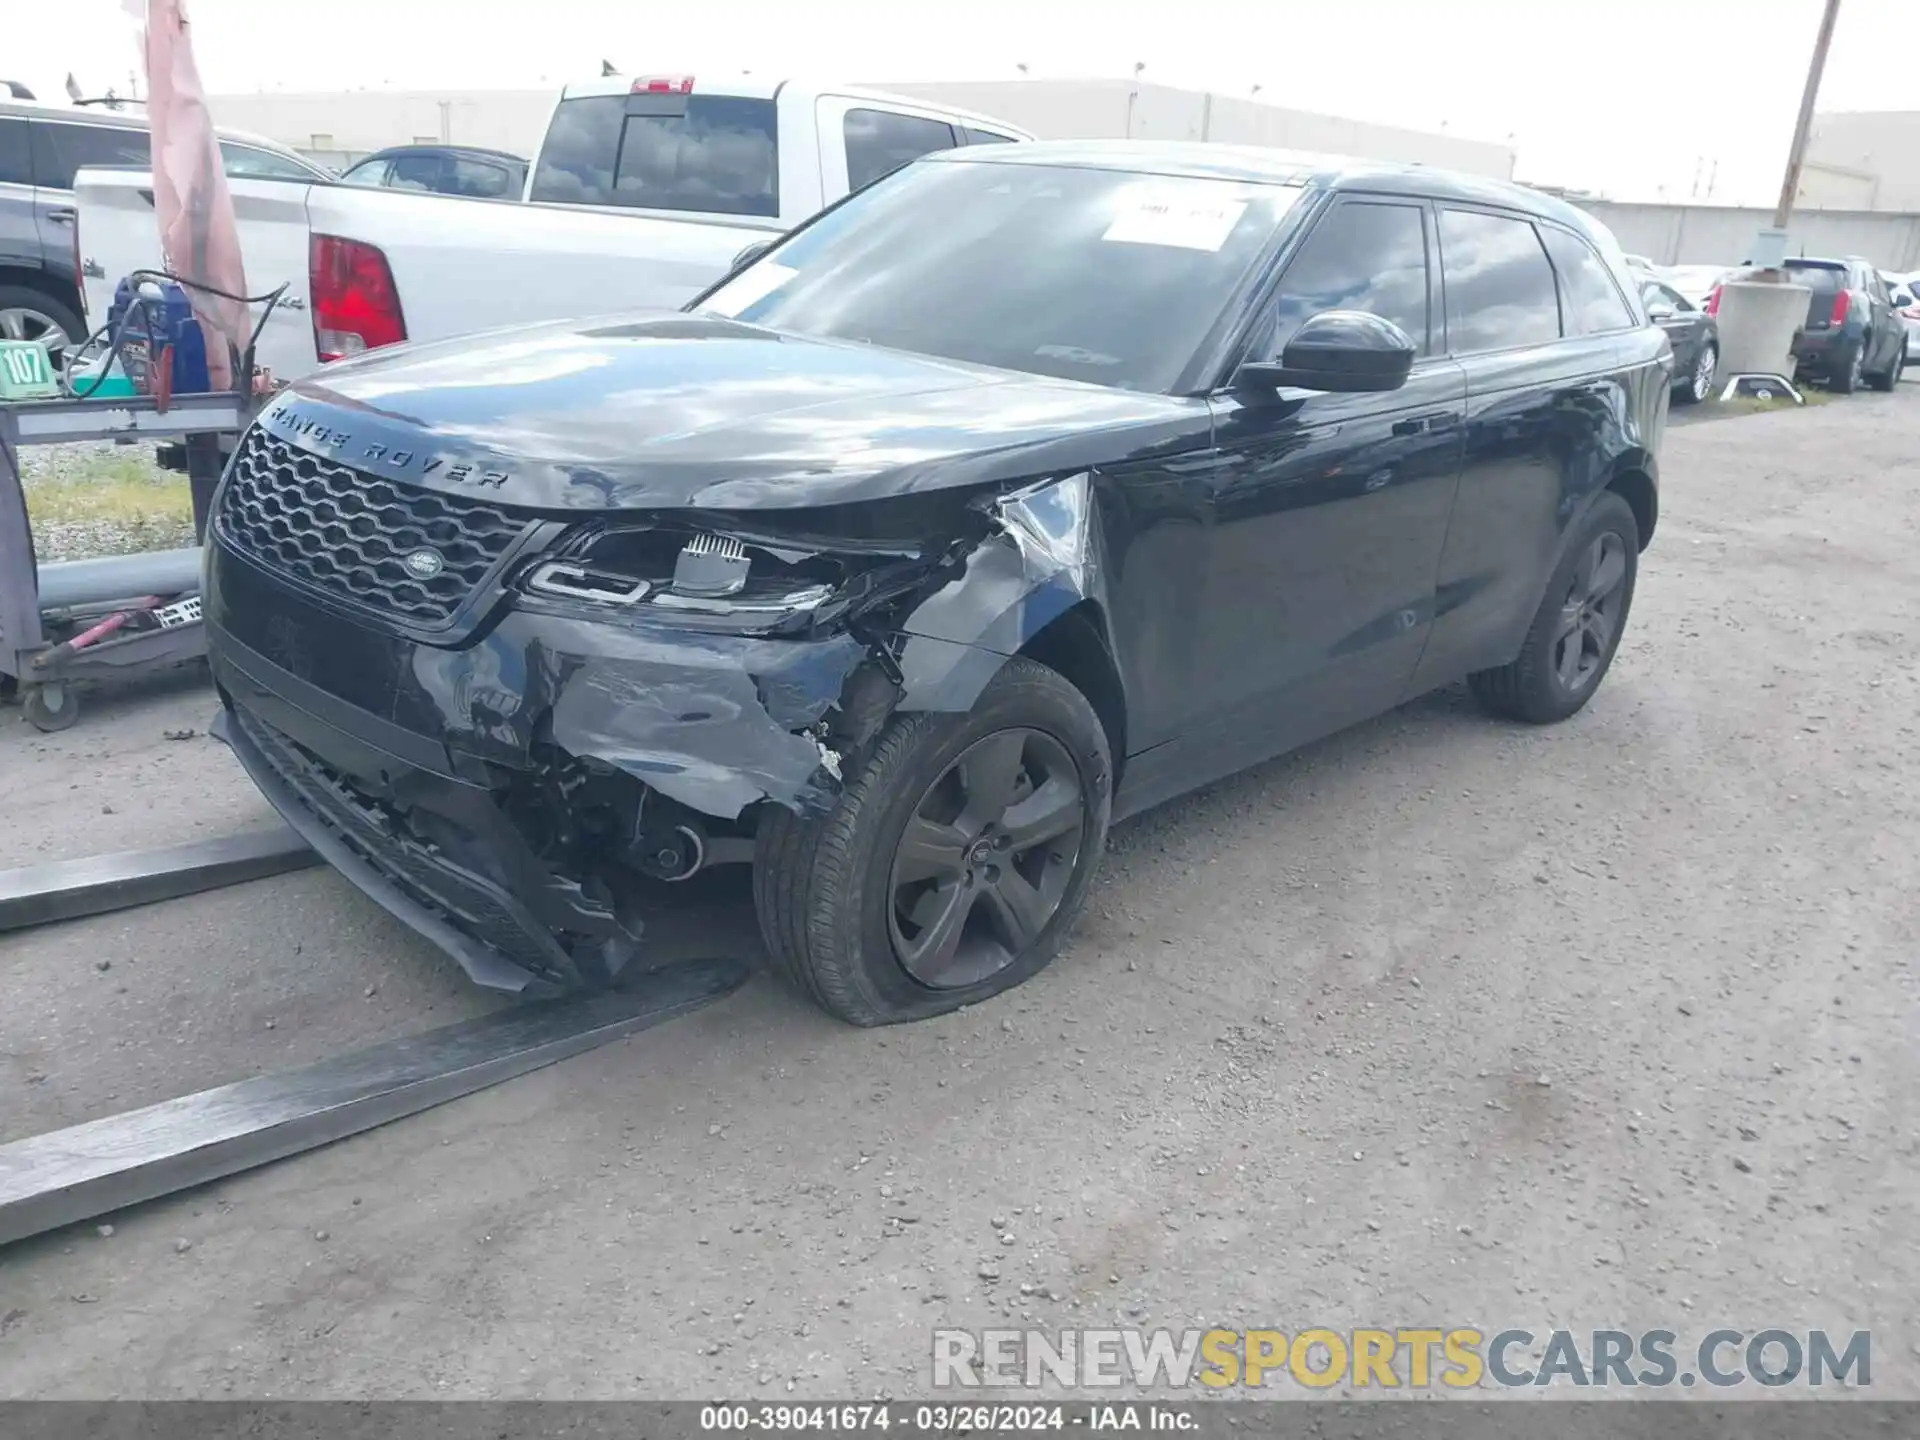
(119, 233)
(462, 265)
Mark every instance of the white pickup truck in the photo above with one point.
(643, 193)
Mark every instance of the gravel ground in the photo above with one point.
(97, 497)
(1440, 1021)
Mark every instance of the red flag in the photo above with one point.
(198, 234)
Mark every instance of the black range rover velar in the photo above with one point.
(1025, 489)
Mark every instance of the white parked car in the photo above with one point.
(644, 192)
(1696, 282)
(1906, 299)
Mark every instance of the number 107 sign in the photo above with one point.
(26, 373)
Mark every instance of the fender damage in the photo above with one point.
(588, 733)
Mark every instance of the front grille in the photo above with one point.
(465, 900)
(347, 533)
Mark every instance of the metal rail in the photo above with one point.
(43, 671)
(66, 1176)
(70, 889)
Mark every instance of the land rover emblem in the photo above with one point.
(423, 564)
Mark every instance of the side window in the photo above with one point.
(367, 172)
(879, 142)
(60, 147)
(478, 178)
(1500, 288)
(16, 158)
(1591, 301)
(243, 162)
(986, 137)
(1360, 256)
(1653, 294)
(415, 172)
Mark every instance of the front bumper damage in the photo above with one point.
(491, 793)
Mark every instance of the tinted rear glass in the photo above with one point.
(1591, 303)
(710, 153)
(1824, 278)
(60, 147)
(1500, 288)
(1095, 275)
(16, 168)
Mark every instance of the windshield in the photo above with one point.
(1083, 274)
(715, 154)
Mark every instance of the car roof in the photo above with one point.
(763, 87)
(438, 149)
(1261, 165)
(135, 119)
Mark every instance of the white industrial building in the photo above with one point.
(340, 126)
(1863, 160)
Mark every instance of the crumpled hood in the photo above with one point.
(670, 410)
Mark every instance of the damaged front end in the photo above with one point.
(513, 758)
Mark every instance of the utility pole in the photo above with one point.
(1790, 186)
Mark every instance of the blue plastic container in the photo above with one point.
(153, 329)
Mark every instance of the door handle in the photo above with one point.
(1426, 424)
(63, 216)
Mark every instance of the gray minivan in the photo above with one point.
(41, 146)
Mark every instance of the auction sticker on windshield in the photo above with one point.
(1187, 217)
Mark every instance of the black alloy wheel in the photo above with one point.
(985, 859)
(954, 860)
(1590, 614)
(1576, 630)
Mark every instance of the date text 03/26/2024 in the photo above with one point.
(941, 1419)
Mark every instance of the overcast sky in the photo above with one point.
(1639, 98)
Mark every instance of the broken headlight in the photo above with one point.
(777, 573)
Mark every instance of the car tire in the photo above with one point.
(1699, 385)
(1845, 378)
(839, 900)
(28, 301)
(1891, 376)
(1541, 686)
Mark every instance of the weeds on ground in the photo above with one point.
(104, 502)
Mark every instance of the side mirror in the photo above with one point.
(1343, 351)
(1661, 312)
(752, 253)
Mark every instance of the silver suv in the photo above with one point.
(41, 146)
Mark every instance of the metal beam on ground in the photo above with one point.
(70, 889)
(66, 1176)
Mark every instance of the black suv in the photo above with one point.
(1028, 488)
(1852, 331)
(41, 147)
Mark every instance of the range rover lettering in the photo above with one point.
(1021, 491)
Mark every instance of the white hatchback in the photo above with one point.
(1906, 299)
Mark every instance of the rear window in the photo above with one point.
(715, 154)
(879, 142)
(1824, 278)
(479, 178)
